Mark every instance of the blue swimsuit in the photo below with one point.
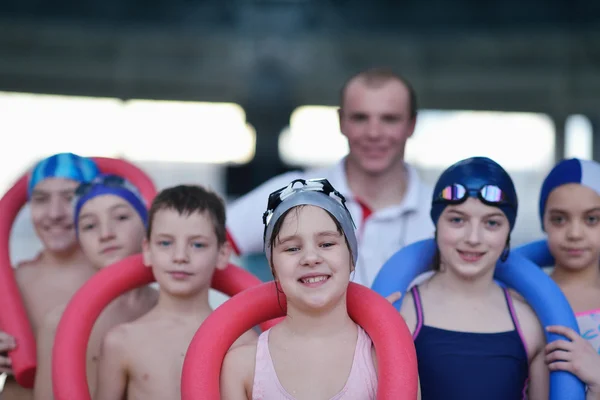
(470, 366)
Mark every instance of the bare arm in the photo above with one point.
(237, 373)
(539, 377)
(375, 364)
(407, 311)
(535, 340)
(112, 367)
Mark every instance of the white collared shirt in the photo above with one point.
(380, 234)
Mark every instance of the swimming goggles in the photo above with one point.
(112, 181)
(316, 185)
(457, 193)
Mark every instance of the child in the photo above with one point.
(61, 268)
(570, 215)
(317, 351)
(110, 218)
(185, 242)
(473, 340)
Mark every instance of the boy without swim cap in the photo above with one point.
(62, 165)
(574, 170)
(478, 177)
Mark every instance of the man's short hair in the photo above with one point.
(377, 77)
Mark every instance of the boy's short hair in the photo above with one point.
(188, 199)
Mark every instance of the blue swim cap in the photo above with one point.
(62, 165)
(110, 184)
(474, 174)
(574, 170)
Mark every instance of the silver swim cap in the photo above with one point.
(314, 192)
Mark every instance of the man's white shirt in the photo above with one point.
(380, 233)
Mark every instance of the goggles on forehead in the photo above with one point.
(316, 185)
(112, 181)
(457, 193)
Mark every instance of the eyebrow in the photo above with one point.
(111, 208)
(38, 192)
(561, 211)
(329, 233)
(318, 234)
(494, 214)
(86, 215)
(117, 206)
(169, 235)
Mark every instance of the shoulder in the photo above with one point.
(522, 308)
(31, 262)
(407, 310)
(530, 325)
(248, 338)
(117, 339)
(239, 362)
(27, 269)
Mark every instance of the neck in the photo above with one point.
(325, 322)
(381, 190)
(589, 276)
(65, 258)
(477, 287)
(195, 305)
(134, 297)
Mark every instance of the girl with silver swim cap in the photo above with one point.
(460, 316)
(317, 349)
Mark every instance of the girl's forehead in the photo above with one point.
(573, 195)
(473, 207)
(307, 217)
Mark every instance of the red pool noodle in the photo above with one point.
(396, 355)
(13, 316)
(73, 332)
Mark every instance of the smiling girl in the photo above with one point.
(317, 351)
(473, 340)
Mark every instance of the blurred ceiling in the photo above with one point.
(506, 55)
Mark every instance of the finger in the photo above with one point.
(4, 370)
(559, 344)
(5, 362)
(6, 339)
(559, 355)
(7, 346)
(561, 366)
(563, 330)
(392, 298)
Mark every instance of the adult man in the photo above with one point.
(388, 201)
(50, 279)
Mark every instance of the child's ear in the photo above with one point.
(146, 253)
(224, 255)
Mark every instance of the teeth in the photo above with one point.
(314, 279)
(468, 254)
